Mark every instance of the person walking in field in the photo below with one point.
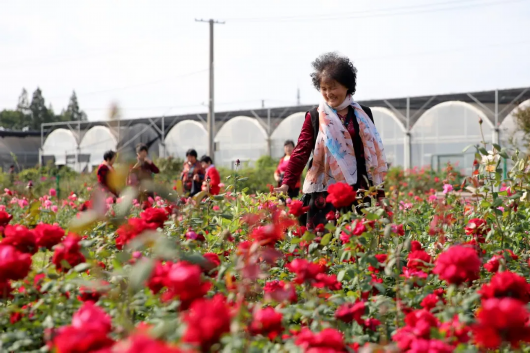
(192, 174)
(345, 143)
(212, 177)
(143, 170)
(105, 171)
(279, 174)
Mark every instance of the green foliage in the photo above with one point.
(254, 179)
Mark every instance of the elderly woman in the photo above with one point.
(341, 135)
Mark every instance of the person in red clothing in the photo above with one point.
(104, 172)
(143, 169)
(192, 173)
(212, 177)
(344, 141)
(288, 148)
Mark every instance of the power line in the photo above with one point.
(414, 9)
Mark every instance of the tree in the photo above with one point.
(23, 102)
(12, 119)
(39, 113)
(73, 112)
(522, 118)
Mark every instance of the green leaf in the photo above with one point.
(325, 240)
(467, 147)
(227, 216)
(341, 275)
(313, 247)
(496, 146)
(295, 240)
(483, 151)
(140, 273)
(82, 267)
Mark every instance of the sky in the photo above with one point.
(152, 57)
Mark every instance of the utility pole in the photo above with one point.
(211, 112)
(298, 96)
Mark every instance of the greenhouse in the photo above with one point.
(442, 132)
(134, 135)
(19, 149)
(95, 143)
(392, 133)
(185, 135)
(509, 134)
(288, 129)
(59, 144)
(241, 138)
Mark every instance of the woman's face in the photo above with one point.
(288, 149)
(333, 92)
(113, 160)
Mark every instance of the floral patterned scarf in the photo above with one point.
(334, 157)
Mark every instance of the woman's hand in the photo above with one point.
(282, 189)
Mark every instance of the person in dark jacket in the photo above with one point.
(143, 169)
(341, 135)
(105, 171)
(192, 173)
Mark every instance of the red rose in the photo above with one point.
(21, 238)
(90, 316)
(213, 262)
(266, 322)
(158, 276)
(417, 260)
(341, 195)
(330, 216)
(5, 218)
(92, 293)
(351, 311)
(415, 245)
(296, 208)
(129, 231)
(458, 264)
(359, 228)
(506, 285)
(207, 320)
(72, 339)
(48, 235)
(280, 291)
(430, 301)
(493, 264)
(501, 320)
(327, 340)
(477, 227)
(14, 265)
(69, 251)
(184, 281)
(305, 270)
(155, 216)
(455, 330)
(141, 343)
(88, 332)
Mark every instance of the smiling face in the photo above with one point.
(332, 91)
(288, 149)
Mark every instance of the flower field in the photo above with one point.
(237, 273)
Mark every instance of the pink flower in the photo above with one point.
(447, 188)
(22, 203)
(53, 192)
(54, 208)
(433, 198)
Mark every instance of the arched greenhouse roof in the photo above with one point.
(59, 144)
(288, 129)
(240, 138)
(185, 135)
(392, 133)
(95, 143)
(442, 132)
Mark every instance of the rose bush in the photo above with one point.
(237, 273)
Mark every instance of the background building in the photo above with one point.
(416, 131)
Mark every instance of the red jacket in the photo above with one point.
(215, 179)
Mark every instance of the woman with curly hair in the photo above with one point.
(344, 141)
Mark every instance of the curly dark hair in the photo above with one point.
(339, 68)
